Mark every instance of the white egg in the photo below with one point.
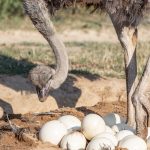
(133, 142)
(72, 123)
(100, 144)
(92, 125)
(109, 136)
(122, 126)
(122, 134)
(109, 130)
(52, 132)
(115, 129)
(73, 141)
(112, 119)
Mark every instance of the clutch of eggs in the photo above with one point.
(70, 133)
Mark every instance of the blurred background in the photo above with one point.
(90, 39)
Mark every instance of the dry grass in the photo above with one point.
(105, 59)
(63, 19)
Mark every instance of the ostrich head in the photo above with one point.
(43, 77)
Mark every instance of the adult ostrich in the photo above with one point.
(125, 16)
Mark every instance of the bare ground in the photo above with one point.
(77, 91)
(78, 96)
(9, 141)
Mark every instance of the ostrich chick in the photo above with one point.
(40, 77)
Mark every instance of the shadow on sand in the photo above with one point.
(66, 96)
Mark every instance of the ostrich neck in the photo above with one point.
(58, 48)
(61, 61)
(38, 12)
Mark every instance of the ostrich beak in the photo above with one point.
(42, 94)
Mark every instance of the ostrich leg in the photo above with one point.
(141, 101)
(128, 39)
(127, 36)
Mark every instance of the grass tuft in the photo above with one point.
(102, 59)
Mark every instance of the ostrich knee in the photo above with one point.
(146, 103)
(140, 116)
(141, 101)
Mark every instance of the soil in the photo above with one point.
(78, 96)
(77, 91)
(33, 124)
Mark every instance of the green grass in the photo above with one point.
(9, 8)
(62, 19)
(104, 59)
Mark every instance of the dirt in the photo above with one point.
(79, 96)
(77, 91)
(33, 123)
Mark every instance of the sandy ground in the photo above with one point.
(104, 35)
(19, 36)
(20, 96)
(33, 123)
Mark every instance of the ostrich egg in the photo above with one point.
(92, 125)
(112, 119)
(122, 126)
(122, 134)
(73, 141)
(72, 123)
(109, 136)
(52, 132)
(100, 144)
(133, 142)
(109, 130)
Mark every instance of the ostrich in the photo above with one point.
(125, 16)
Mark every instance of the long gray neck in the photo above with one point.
(38, 12)
(61, 61)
